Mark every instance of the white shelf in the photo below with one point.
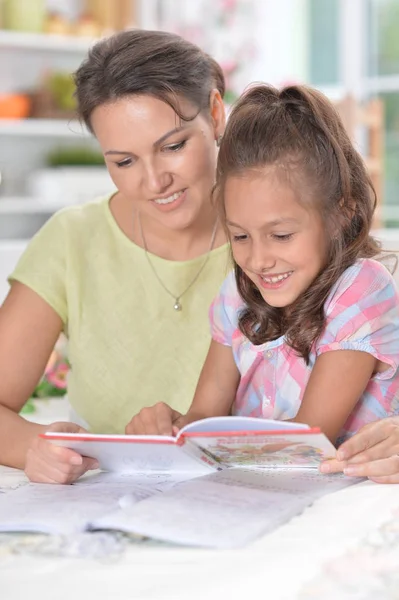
(41, 41)
(42, 128)
(26, 205)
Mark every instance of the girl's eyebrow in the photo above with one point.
(155, 144)
(268, 223)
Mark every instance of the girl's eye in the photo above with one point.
(240, 238)
(176, 147)
(283, 237)
(126, 162)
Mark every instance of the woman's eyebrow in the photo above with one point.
(155, 144)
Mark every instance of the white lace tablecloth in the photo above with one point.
(344, 546)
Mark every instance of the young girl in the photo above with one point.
(306, 328)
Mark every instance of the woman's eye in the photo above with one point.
(282, 237)
(126, 162)
(239, 238)
(176, 147)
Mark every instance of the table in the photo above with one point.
(346, 542)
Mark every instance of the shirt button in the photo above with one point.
(269, 354)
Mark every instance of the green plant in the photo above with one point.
(73, 156)
(62, 88)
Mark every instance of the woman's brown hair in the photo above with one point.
(140, 62)
(297, 130)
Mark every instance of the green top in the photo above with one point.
(128, 347)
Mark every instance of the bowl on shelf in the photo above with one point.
(14, 106)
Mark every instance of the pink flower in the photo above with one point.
(58, 376)
(229, 66)
(228, 4)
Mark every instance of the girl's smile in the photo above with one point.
(274, 281)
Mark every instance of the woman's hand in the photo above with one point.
(159, 419)
(373, 452)
(48, 463)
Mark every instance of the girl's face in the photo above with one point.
(164, 165)
(278, 243)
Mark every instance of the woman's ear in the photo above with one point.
(218, 113)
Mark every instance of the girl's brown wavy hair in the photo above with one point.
(298, 131)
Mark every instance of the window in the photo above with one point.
(354, 47)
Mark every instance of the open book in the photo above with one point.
(206, 445)
(178, 489)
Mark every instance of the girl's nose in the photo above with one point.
(261, 259)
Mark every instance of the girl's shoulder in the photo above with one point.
(229, 293)
(366, 278)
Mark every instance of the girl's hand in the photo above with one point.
(48, 463)
(373, 452)
(159, 419)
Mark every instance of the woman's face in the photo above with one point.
(163, 165)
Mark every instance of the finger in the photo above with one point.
(164, 416)
(66, 427)
(384, 449)
(58, 454)
(39, 470)
(132, 428)
(178, 423)
(368, 436)
(69, 461)
(156, 420)
(90, 464)
(145, 422)
(377, 468)
(332, 466)
(386, 479)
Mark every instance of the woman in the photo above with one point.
(129, 278)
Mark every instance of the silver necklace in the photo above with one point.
(177, 297)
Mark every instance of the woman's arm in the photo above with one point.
(214, 396)
(29, 329)
(337, 381)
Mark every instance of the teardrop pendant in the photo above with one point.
(177, 306)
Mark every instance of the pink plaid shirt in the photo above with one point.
(362, 313)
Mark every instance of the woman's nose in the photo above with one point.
(157, 180)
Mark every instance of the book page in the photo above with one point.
(137, 454)
(272, 450)
(226, 509)
(51, 508)
(237, 423)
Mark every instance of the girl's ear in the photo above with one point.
(218, 113)
(346, 212)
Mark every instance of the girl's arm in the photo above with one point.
(217, 385)
(337, 381)
(214, 396)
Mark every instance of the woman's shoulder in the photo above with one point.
(81, 215)
(366, 278)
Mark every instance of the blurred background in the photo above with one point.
(349, 49)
